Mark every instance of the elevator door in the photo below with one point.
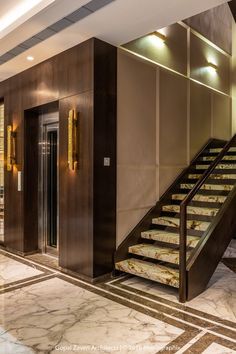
(50, 188)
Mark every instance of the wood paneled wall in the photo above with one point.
(83, 77)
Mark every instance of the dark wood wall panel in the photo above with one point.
(31, 133)
(105, 86)
(83, 77)
(76, 189)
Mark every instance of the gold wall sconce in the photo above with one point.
(72, 140)
(158, 39)
(11, 148)
(212, 68)
(160, 36)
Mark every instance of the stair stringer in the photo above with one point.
(210, 249)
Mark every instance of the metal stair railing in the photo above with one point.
(183, 220)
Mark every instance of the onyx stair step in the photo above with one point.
(191, 210)
(212, 158)
(201, 198)
(165, 254)
(213, 176)
(148, 270)
(220, 166)
(218, 150)
(210, 187)
(168, 237)
(175, 222)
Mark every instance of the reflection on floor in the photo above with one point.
(44, 311)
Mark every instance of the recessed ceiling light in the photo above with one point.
(30, 58)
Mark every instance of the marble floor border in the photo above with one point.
(14, 284)
(27, 262)
(176, 344)
(25, 283)
(105, 290)
(182, 308)
(206, 340)
(189, 331)
(185, 318)
(177, 315)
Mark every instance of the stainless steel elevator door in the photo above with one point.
(49, 183)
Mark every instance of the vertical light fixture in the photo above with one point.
(11, 148)
(72, 140)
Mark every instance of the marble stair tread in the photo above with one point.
(148, 270)
(206, 186)
(164, 254)
(221, 166)
(175, 222)
(225, 158)
(191, 210)
(201, 198)
(217, 150)
(213, 176)
(168, 237)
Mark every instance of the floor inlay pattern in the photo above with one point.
(51, 312)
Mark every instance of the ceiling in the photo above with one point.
(47, 27)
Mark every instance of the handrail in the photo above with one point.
(183, 220)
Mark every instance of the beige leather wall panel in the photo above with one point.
(136, 141)
(173, 119)
(200, 117)
(200, 54)
(221, 115)
(173, 54)
(136, 187)
(136, 108)
(126, 221)
(167, 175)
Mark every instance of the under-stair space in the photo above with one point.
(152, 250)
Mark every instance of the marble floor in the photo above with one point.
(44, 311)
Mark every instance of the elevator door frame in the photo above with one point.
(47, 123)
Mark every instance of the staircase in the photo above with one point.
(184, 253)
